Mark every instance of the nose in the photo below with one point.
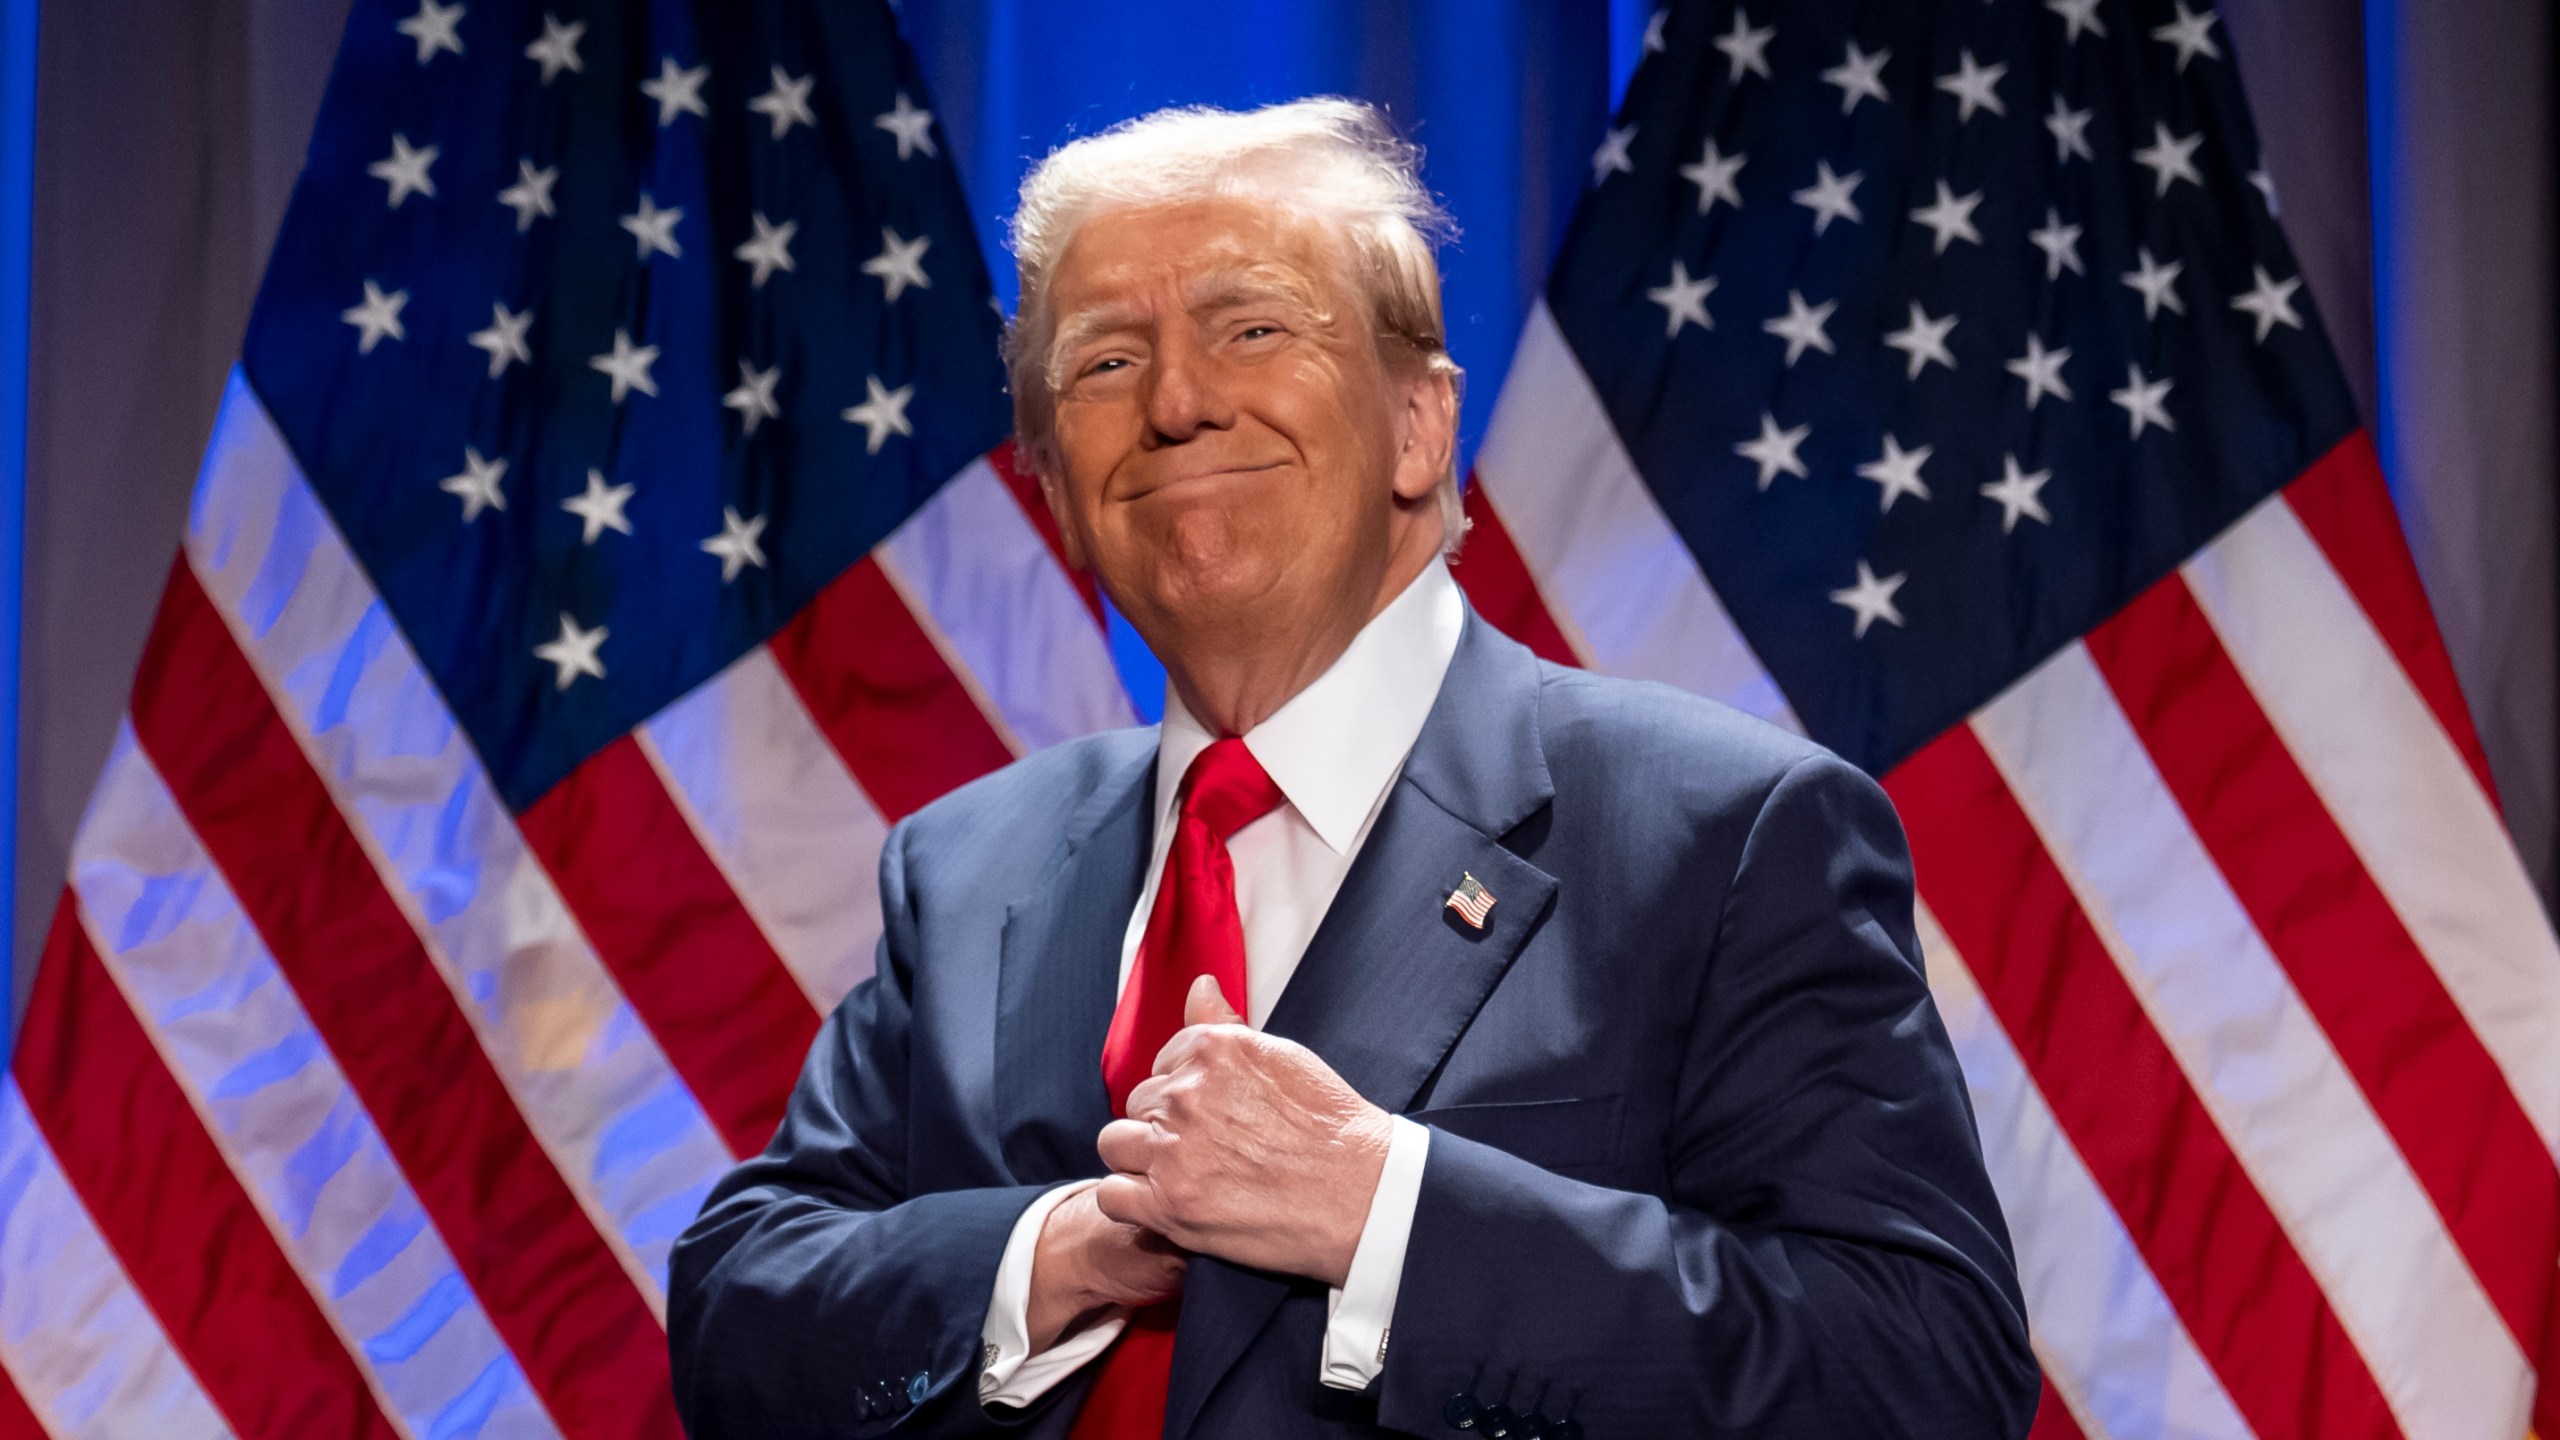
(1184, 394)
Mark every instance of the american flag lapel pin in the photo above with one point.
(1471, 900)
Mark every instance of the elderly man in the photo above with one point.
(1409, 1035)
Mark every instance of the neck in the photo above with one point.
(1236, 675)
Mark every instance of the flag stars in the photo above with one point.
(435, 27)
(1897, 473)
(599, 508)
(478, 484)
(1714, 176)
(2143, 401)
(2158, 284)
(735, 546)
(2070, 130)
(2077, 16)
(2271, 302)
(1976, 87)
(1871, 600)
(2190, 34)
(575, 653)
(2060, 244)
(1654, 44)
(1683, 300)
(504, 338)
(770, 250)
(787, 103)
(1860, 76)
(2041, 370)
(1746, 49)
(2019, 493)
(1924, 340)
(900, 263)
(912, 127)
(1612, 158)
(628, 365)
(1802, 327)
(882, 413)
(753, 399)
(530, 196)
(2266, 186)
(1829, 197)
(1950, 218)
(677, 90)
(653, 229)
(2169, 158)
(557, 50)
(405, 170)
(378, 317)
(1774, 450)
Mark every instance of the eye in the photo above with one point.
(1256, 332)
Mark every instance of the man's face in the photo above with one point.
(1235, 454)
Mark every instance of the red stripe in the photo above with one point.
(546, 1279)
(883, 694)
(17, 1420)
(686, 953)
(2234, 1277)
(2053, 1418)
(2344, 503)
(1006, 461)
(1497, 581)
(2381, 1003)
(188, 1235)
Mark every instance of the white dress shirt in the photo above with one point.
(1334, 750)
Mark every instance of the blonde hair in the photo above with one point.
(1337, 162)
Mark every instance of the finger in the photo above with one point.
(1130, 1201)
(1148, 1100)
(1127, 1146)
(1207, 1004)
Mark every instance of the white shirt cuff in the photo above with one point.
(1358, 1314)
(1012, 1375)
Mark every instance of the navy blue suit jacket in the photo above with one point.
(1702, 1161)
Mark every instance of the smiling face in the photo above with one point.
(1233, 453)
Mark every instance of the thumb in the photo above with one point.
(1207, 1005)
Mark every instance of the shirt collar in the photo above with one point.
(1337, 745)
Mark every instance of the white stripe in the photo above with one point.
(2396, 786)
(77, 1338)
(227, 1022)
(1627, 588)
(627, 1135)
(1005, 611)
(2109, 1338)
(2258, 1060)
(776, 810)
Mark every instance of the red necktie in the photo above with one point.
(1193, 930)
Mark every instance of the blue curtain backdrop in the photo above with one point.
(1508, 98)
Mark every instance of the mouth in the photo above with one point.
(1201, 477)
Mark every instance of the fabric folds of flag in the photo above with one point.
(1936, 379)
(606, 535)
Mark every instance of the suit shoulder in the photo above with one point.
(1638, 733)
(1023, 808)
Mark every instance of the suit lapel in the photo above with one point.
(1058, 978)
(1393, 977)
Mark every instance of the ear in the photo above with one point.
(1054, 491)
(1430, 434)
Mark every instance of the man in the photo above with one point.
(1410, 1035)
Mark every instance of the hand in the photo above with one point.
(1085, 1262)
(1246, 1146)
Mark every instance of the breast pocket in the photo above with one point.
(1559, 1135)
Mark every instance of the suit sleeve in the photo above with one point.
(1827, 1259)
(814, 1295)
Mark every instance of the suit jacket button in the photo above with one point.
(1500, 1422)
(919, 1387)
(1461, 1411)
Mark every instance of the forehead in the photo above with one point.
(1120, 255)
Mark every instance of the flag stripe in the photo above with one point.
(2253, 1054)
(2396, 785)
(1627, 588)
(2053, 1418)
(209, 997)
(2240, 1288)
(773, 803)
(2107, 1335)
(209, 1267)
(625, 1131)
(1499, 585)
(687, 955)
(2345, 507)
(551, 1282)
(994, 592)
(76, 1336)
(1025, 488)
(884, 695)
(2346, 953)
(17, 1421)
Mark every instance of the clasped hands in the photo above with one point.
(1240, 1145)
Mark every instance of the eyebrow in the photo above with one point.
(1224, 288)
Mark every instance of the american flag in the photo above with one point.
(1936, 379)
(604, 538)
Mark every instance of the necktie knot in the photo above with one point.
(1226, 789)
